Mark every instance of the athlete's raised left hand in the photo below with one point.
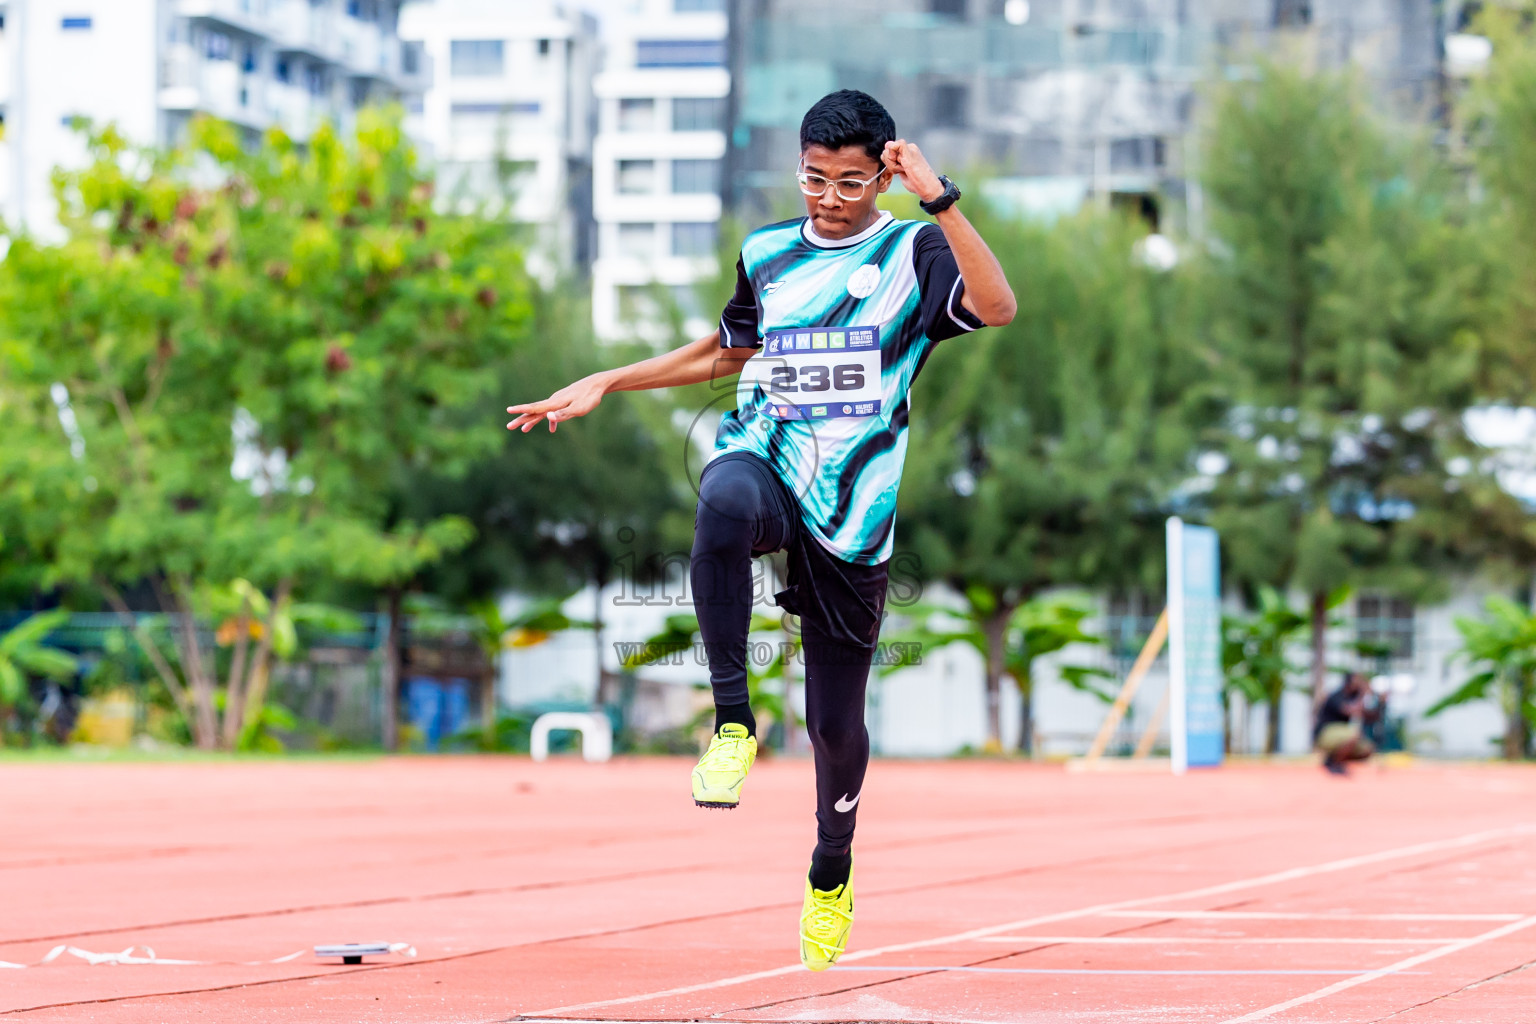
(571, 401)
(908, 163)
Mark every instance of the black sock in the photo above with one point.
(830, 870)
(741, 714)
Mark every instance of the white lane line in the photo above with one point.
(1100, 909)
(1276, 915)
(1112, 970)
(1182, 940)
(1381, 972)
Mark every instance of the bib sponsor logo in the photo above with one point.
(864, 281)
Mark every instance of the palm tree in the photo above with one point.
(1504, 645)
(24, 652)
(1253, 655)
(1008, 648)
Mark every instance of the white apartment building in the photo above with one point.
(508, 117)
(149, 65)
(657, 162)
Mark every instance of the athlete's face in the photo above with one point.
(831, 215)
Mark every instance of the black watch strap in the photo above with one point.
(946, 200)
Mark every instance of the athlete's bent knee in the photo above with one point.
(839, 738)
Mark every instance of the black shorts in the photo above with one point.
(836, 600)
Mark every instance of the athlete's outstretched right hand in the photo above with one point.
(571, 401)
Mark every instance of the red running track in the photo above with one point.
(987, 891)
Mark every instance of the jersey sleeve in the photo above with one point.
(739, 322)
(940, 286)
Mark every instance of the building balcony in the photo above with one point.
(366, 50)
(218, 87)
(298, 27)
(659, 206)
(293, 109)
(248, 16)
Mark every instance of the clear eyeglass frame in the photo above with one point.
(853, 185)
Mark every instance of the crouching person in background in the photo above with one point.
(1339, 734)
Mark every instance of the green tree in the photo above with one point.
(1040, 626)
(25, 653)
(228, 360)
(767, 683)
(1503, 646)
(1500, 110)
(555, 511)
(1047, 453)
(1346, 299)
(1253, 656)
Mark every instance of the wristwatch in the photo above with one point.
(945, 201)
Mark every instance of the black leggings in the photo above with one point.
(745, 511)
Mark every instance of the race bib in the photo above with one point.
(814, 373)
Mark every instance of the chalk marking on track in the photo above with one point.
(1100, 909)
(1181, 940)
(1264, 915)
(1381, 972)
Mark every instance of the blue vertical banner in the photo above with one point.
(1194, 645)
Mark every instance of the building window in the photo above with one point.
(637, 115)
(314, 80)
(686, 298)
(637, 241)
(479, 122)
(951, 9)
(1384, 625)
(637, 177)
(680, 53)
(247, 57)
(689, 6)
(517, 175)
(692, 114)
(691, 177)
(496, 109)
(1293, 13)
(1138, 154)
(946, 105)
(282, 71)
(695, 239)
(216, 46)
(543, 47)
(476, 58)
(75, 22)
(410, 58)
(1128, 620)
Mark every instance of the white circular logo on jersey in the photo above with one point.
(864, 281)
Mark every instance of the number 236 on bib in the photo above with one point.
(818, 372)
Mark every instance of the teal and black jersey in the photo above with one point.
(842, 328)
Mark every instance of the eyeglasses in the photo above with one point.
(848, 189)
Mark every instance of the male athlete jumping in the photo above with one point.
(833, 317)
